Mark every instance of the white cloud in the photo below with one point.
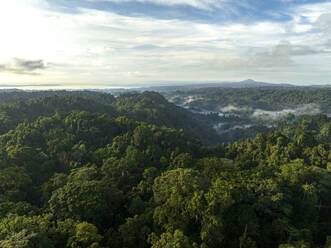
(313, 11)
(98, 46)
(200, 4)
(324, 22)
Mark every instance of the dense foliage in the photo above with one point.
(244, 112)
(149, 107)
(73, 178)
(268, 98)
(13, 96)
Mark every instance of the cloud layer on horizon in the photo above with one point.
(88, 44)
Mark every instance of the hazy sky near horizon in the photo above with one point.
(96, 43)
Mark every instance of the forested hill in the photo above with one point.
(151, 107)
(86, 180)
(237, 113)
(266, 98)
(20, 95)
(148, 106)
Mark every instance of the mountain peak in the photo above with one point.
(248, 81)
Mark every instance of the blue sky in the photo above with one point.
(103, 43)
(218, 11)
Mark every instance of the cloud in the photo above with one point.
(306, 109)
(284, 54)
(200, 4)
(92, 45)
(324, 22)
(23, 66)
(146, 47)
(311, 12)
(28, 85)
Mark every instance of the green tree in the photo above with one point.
(171, 240)
(86, 236)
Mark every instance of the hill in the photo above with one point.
(148, 106)
(244, 112)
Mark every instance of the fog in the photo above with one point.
(307, 109)
(189, 99)
(232, 108)
(232, 117)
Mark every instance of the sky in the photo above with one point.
(126, 43)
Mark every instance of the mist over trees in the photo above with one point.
(241, 113)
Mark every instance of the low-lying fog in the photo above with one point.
(232, 117)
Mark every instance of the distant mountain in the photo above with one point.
(251, 83)
(10, 90)
(173, 86)
(322, 86)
